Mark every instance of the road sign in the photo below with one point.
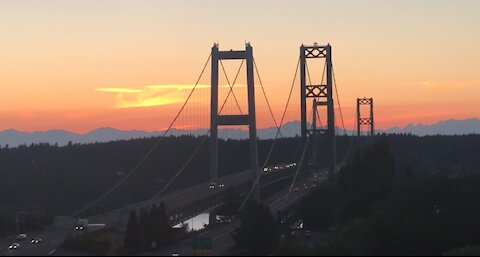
(202, 243)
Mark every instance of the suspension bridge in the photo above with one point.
(231, 103)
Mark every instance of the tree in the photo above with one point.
(317, 209)
(257, 233)
(132, 241)
(231, 202)
(365, 181)
(162, 230)
(146, 229)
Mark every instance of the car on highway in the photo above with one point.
(224, 219)
(21, 237)
(36, 241)
(14, 246)
(82, 224)
(214, 185)
(79, 227)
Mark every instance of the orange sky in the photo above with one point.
(79, 65)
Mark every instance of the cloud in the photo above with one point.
(149, 96)
(439, 85)
(177, 87)
(190, 87)
(119, 90)
(153, 95)
(145, 101)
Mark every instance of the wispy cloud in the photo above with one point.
(153, 95)
(177, 87)
(449, 84)
(119, 90)
(149, 96)
(190, 87)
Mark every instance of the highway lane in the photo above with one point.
(54, 237)
(50, 241)
(119, 218)
(221, 235)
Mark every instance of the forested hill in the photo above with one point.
(59, 180)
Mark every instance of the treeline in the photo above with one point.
(421, 157)
(45, 178)
(51, 180)
(376, 212)
(151, 229)
(147, 230)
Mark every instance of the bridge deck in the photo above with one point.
(119, 218)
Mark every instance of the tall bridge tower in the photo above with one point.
(323, 96)
(249, 119)
(361, 121)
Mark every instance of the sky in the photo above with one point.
(130, 64)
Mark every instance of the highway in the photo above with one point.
(221, 235)
(54, 237)
(119, 218)
(50, 241)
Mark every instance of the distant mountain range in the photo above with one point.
(15, 138)
(448, 127)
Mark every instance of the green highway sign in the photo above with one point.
(202, 243)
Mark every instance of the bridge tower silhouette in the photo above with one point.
(234, 120)
(322, 96)
(361, 121)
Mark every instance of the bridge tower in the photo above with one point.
(361, 121)
(322, 96)
(233, 120)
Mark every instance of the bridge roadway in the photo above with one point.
(119, 218)
(221, 235)
(53, 237)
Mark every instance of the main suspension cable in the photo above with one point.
(266, 98)
(149, 153)
(338, 100)
(257, 181)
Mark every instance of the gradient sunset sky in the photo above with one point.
(128, 64)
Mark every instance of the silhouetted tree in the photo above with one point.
(146, 229)
(231, 202)
(162, 230)
(132, 242)
(366, 180)
(257, 233)
(317, 209)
